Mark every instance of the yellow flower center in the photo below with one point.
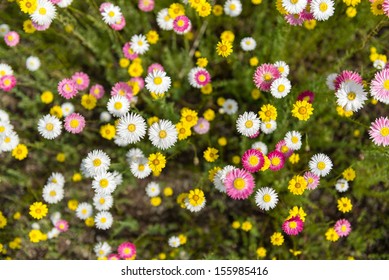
(103, 220)
(2, 128)
(294, 139)
(293, 225)
(281, 69)
(321, 165)
(141, 167)
(127, 251)
(157, 80)
(102, 200)
(162, 134)
(384, 131)
(118, 105)
(2, 73)
(297, 185)
(249, 124)
(189, 118)
(343, 228)
(74, 123)
(38, 211)
(111, 14)
(202, 78)
(42, 11)
(49, 127)
(323, 7)
(267, 77)
(83, 211)
(53, 193)
(140, 43)
(156, 162)
(79, 81)
(182, 130)
(275, 161)
(232, 7)
(10, 38)
(294, 1)
(7, 82)
(253, 160)
(131, 127)
(103, 183)
(386, 84)
(239, 183)
(166, 18)
(68, 88)
(351, 96)
(96, 162)
(28, 4)
(268, 113)
(195, 197)
(281, 88)
(302, 110)
(180, 23)
(284, 149)
(223, 48)
(266, 198)
(7, 139)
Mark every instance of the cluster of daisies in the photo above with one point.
(125, 251)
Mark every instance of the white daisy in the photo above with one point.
(49, 127)
(248, 124)
(56, 178)
(84, 210)
(140, 168)
(193, 208)
(5, 69)
(64, 3)
(248, 44)
(44, 13)
(283, 68)
(260, 146)
(53, 233)
(96, 162)
(139, 44)
(118, 105)
(294, 6)
(232, 8)
(158, 82)
(4, 117)
(280, 87)
(5, 128)
(102, 202)
(174, 241)
(320, 165)
(218, 180)
(103, 220)
(268, 127)
(322, 9)
(111, 14)
(163, 134)
(351, 96)
(133, 155)
(164, 21)
(4, 29)
(53, 193)
(341, 185)
(153, 189)
(194, 76)
(102, 249)
(67, 109)
(9, 141)
(266, 198)
(33, 63)
(105, 117)
(330, 81)
(104, 183)
(230, 106)
(293, 140)
(131, 127)
(35, 226)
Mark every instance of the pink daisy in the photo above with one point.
(182, 25)
(140, 81)
(104, 5)
(67, 88)
(40, 27)
(379, 131)
(379, 87)
(281, 147)
(342, 227)
(113, 257)
(202, 77)
(11, 38)
(7, 82)
(265, 75)
(127, 250)
(255, 135)
(119, 25)
(385, 7)
(347, 75)
(202, 126)
(146, 5)
(306, 15)
(295, 19)
(97, 91)
(74, 123)
(128, 51)
(277, 160)
(239, 184)
(155, 66)
(293, 226)
(312, 180)
(307, 95)
(122, 89)
(253, 160)
(81, 79)
(62, 225)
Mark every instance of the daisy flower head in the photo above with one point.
(248, 124)
(146, 5)
(102, 202)
(295, 19)
(81, 80)
(62, 225)
(260, 146)
(182, 25)
(157, 162)
(38, 210)
(195, 201)
(53, 193)
(341, 185)
(230, 106)
(153, 189)
(140, 168)
(342, 227)
(56, 178)
(248, 44)
(139, 44)
(163, 134)
(49, 127)
(122, 89)
(202, 126)
(294, 6)
(174, 241)
(20, 152)
(102, 249)
(351, 96)
(84, 210)
(198, 77)
(266, 198)
(233, 8)
(239, 184)
(11, 38)
(284, 149)
(127, 250)
(7, 82)
(297, 185)
(332, 235)
(131, 127)
(111, 14)
(277, 160)
(345, 76)
(322, 9)
(103, 220)
(320, 165)
(118, 106)
(268, 127)
(158, 82)
(104, 183)
(253, 160)
(165, 22)
(220, 176)
(283, 68)
(119, 25)
(280, 87)
(8, 141)
(67, 108)
(28, 6)
(96, 162)
(293, 140)
(264, 76)
(5, 70)
(379, 131)
(312, 179)
(277, 239)
(74, 123)
(224, 48)
(183, 131)
(134, 155)
(44, 13)
(302, 110)
(67, 88)
(293, 226)
(344, 205)
(33, 63)
(4, 29)
(189, 117)
(128, 52)
(379, 87)
(268, 112)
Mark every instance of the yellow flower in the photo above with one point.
(236, 160)
(376, 7)
(254, 61)
(176, 10)
(20, 152)
(302, 110)
(280, 8)
(204, 9)
(220, 101)
(255, 94)
(246, 226)
(181, 199)
(310, 24)
(88, 101)
(207, 89)
(124, 62)
(152, 120)
(196, 197)
(197, 54)
(261, 252)
(28, 6)
(135, 69)
(195, 3)
(3, 220)
(224, 48)
(202, 62)
(17, 216)
(235, 224)
(56, 111)
(61, 157)
(297, 185)
(73, 204)
(222, 141)
(90, 222)
(28, 27)
(35, 235)
(212, 172)
(182, 238)
(211, 154)
(183, 131)
(344, 113)
(157, 162)
(209, 115)
(296, 211)
(344, 205)
(155, 201)
(188, 117)
(69, 28)
(152, 37)
(228, 36)
(268, 112)
(294, 158)
(256, 2)
(295, 252)
(351, 2)
(351, 12)
(217, 10)
(277, 239)
(332, 235)
(38, 210)
(266, 164)
(47, 97)
(162, 256)
(108, 131)
(349, 174)
(168, 191)
(77, 177)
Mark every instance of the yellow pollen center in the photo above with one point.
(281, 69)
(2, 128)
(162, 134)
(103, 220)
(131, 127)
(180, 23)
(122, 92)
(275, 161)
(111, 14)
(127, 251)
(182, 130)
(343, 228)
(140, 43)
(281, 88)
(239, 183)
(323, 7)
(189, 118)
(232, 7)
(253, 160)
(42, 11)
(293, 225)
(49, 127)
(28, 4)
(351, 96)
(321, 165)
(310, 180)
(74, 123)
(102, 200)
(268, 125)
(38, 211)
(249, 124)
(2, 73)
(103, 183)
(10, 38)
(266, 198)
(79, 81)
(384, 131)
(202, 78)
(53, 193)
(267, 77)
(157, 80)
(386, 85)
(118, 105)
(141, 167)
(195, 197)
(7, 82)
(294, 139)
(284, 149)
(294, 1)
(297, 185)
(7, 139)
(268, 113)
(156, 162)
(302, 110)
(166, 18)
(223, 48)
(96, 162)
(83, 211)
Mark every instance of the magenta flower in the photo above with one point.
(97, 91)
(139, 80)
(277, 160)
(379, 131)
(7, 82)
(11, 38)
(312, 180)
(307, 95)
(347, 76)
(40, 27)
(182, 25)
(379, 87)
(122, 89)
(82, 80)
(253, 160)
(146, 5)
(74, 123)
(119, 25)
(281, 147)
(113, 257)
(67, 88)
(264, 75)
(127, 250)
(62, 225)
(239, 184)
(293, 226)
(128, 51)
(342, 227)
